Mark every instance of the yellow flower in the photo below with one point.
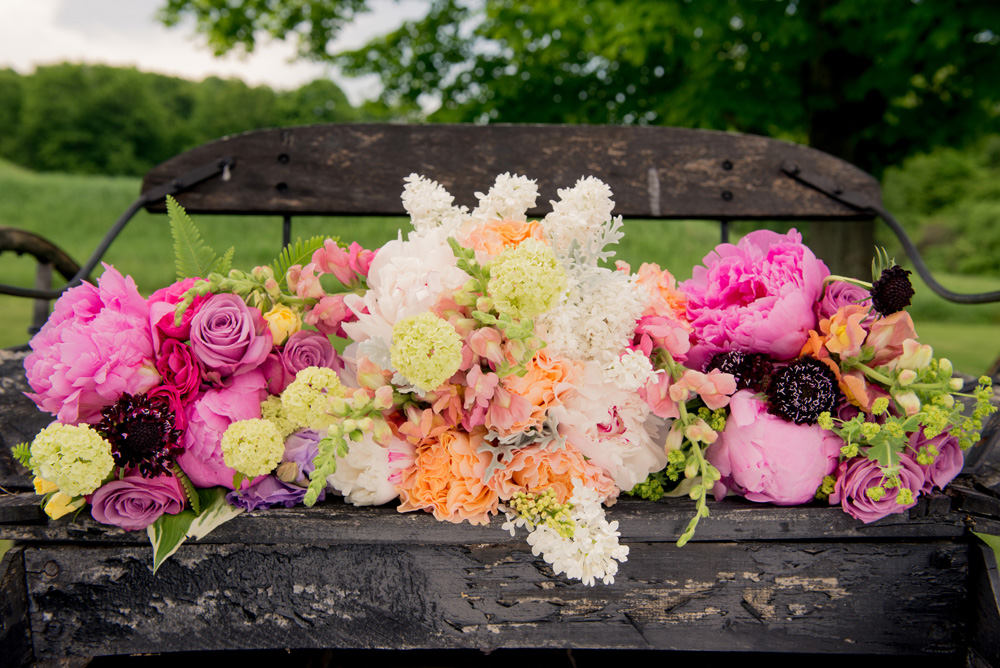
(283, 322)
(62, 504)
(253, 447)
(43, 486)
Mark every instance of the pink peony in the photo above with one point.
(96, 346)
(756, 296)
(208, 418)
(134, 502)
(856, 476)
(765, 458)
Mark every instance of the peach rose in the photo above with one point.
(494, 236)
(534, 469)
(545, 385)
(447, 479)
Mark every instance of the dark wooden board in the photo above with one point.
(985, 589)
(20, 419)
(15, 633)
(334, 522)
(898, 598)
(654, 172)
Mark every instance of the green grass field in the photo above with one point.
(75, 211)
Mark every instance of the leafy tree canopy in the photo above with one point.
(869, 81)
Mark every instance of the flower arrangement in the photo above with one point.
(490, 364)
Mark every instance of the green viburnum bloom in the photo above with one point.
(426, 350)
(252, 447)
(527, 280)
(307, 401)
(74, 457)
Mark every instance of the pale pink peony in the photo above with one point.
(765, 458)
(96, 346)
(755, 296)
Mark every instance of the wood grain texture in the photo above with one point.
(358, 169)
(334, 522)
(20, 419)
(899, 598)
(15, 632)
(985, 589)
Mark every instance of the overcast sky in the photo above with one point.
(124, 32)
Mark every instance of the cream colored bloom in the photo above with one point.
(283, 322)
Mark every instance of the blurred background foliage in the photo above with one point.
(906, 89)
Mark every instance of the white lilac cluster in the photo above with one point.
(592, 552)
(630, 371)
(583, 215)
(431, 206)
(508, 199)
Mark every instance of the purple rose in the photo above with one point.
(948, 463)
(208, 418)
(756, 296)
(765, 458)
(229, 337)
(839, 294)
(305, 349)
(856, 476)
(267, 492)
(135, 502)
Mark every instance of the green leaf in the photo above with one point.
(300, 252)
(193, 256)
(189, 489)
(215, 511)
(992, 541)
(886, 456)
(225, 263)
(167, 534)
(22, 453)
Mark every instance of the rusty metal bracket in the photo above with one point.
(190, 179)
(862, 202)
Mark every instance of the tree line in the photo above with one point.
(98, 119)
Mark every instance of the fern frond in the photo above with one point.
(194, 257)
(224, 263)
(22, 453)
(300, 252)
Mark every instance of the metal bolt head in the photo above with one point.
(727, 195)
(51, 569)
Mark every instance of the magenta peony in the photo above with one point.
(765, 458)
(208, 418)
(756, 296)
(134, 502)
(96, 346)
(856, 476)
(229, 337)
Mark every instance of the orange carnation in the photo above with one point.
(447, 479)
(534, 469)
(544, 385)
(494, 236)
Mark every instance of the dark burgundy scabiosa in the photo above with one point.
(802, 390)
(142, 433)
(751, 370)
(892, 291)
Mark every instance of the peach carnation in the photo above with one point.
(544, 385)
(494, 236)
(534, 469)
(664, 296)
(447, 479)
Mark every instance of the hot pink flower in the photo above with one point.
(96, 346)
(756, 296)
(765, 458)
(179, 368)
(163, 305)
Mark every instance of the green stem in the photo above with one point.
(873, 374)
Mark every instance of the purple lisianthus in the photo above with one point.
(765, 458)
(208, 417)
(289, 489)
(856, 476)
(96, 346)
(134, 502)
(229, 337)
(839, 294)
(756, 296)
(268, 491)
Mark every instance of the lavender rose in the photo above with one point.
(765, 458)
(856, 476)
(268, 491)
(134, 502)
(229, 337)
(947, 464)
(305, 349)
(839, 294)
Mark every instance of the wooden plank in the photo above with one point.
(654, 172)
(20, 419)
(985, 589)
(334, 522)
(15, 633)
(899, 598)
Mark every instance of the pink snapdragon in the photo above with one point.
(347, 265)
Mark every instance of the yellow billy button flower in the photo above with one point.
(527, 280)
(283, 322)
(252, 447)
(426, 350)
